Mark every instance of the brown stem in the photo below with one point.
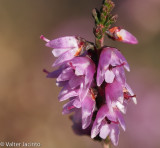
(106, 145)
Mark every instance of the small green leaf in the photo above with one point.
(95, 15)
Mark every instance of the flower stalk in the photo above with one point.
(107, 145)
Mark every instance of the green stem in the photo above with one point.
(103, 20)
(100, 42)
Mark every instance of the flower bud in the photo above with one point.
(122, 35)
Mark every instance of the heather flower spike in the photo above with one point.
(92, 77)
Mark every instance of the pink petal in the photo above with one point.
(63, 42)
(77, 103)
(67, 93)
(98, 121)
(83, 90)
(114, 134)
(65, 57)
(101, 113)
(75, 81)
(127, 37)
(114, 91)
(100, 77)
(103, 64)
(82, 64)
(111, 115)
(88, 106)
(105, 57)
(131, 93)
(54, 74)
(66, 74)
(121, 107)
(58, 52)
(122, 60)
(120, 75)
(109, 76)
(68, 107)
(121, 119)
(104, 131)
(95, 129)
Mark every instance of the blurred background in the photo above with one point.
(29, 108)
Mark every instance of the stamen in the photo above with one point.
(116, 122)
(109, 121)
(44, 38)
(121, 64)
(118, 65)
(70, 64)
(80, 45)
(126, 96)
(92, 94)
(78, 51)
(71, 107)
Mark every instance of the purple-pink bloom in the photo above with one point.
(109, 116)
(111, 63)
(79, 74)
(114, 95)
(118, 34)
(115, 102)
(77, 77)
(65, 48)
(87, 107)
(104, 127)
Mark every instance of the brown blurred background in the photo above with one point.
(29, 108)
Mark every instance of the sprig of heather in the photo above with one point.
(92, 77)
(103, 20)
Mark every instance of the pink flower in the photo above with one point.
(122, 35)
(78, 74)
(109, 116)
(111, 65)
(87, 107)
(76, 77)
(104, 127)
(114, 96)
(65, 48)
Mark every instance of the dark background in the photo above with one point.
(29, 108)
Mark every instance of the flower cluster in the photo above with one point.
(93, 82)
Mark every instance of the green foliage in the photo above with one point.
(103, 20)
